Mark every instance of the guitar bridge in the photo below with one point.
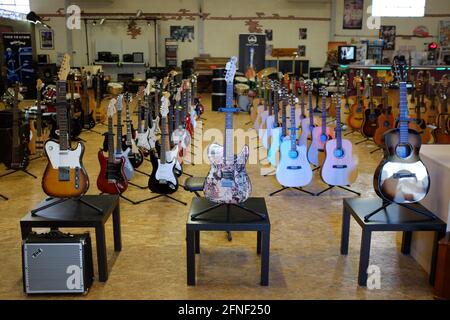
(294, 167)
(342, 166)
(400, 175)
(64, 173)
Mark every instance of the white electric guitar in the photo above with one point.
(119, 152)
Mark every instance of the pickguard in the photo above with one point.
(165, 172)
(68, 158)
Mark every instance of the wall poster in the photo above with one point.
(185, 33)
(387, 33)
(353, 14)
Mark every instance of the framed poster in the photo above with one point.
(353, 14)
(387, 33)
(269, 34)
(302, 33)
(47, 39)
(185, 33)
(301, 51)
(444, 33)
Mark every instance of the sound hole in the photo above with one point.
(403, 151)
(323, 137)
(386, 124)
(338, 153)
(293, 154)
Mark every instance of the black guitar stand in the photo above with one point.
(364, 140)
(4, 197)
(156, 197)
(387, 203)
(340, 187)
(228, 206)
(295, 188)
(375, 150)
(19, 170)
(61, 200)
(352, 131)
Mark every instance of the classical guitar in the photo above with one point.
(227, 180)
(119, 152)
(163, 179)
(401, 176)
(250, 73)
(18, 158)
(294, 169)
(64, 176)
(371, 114)
(355, 119)
(386, 120)
(136, 155)
(100, 115)
(307, 123)
(339, 168)
(320, 135)
(88, 121)
(112, 178)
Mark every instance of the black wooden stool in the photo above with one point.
(392, 218)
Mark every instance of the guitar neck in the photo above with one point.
(61, 114)
(119, 131)
(324, 114)
(293, 129)
(164, 139)
(338, 129)
(228, 145)
(129, 122)
(110, 141)
(403, 117)
(15, 116)
(311, 111)
(283, 117)
(39, 114)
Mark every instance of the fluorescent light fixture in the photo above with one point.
(102, 21)
(398, 8)
(138, 13)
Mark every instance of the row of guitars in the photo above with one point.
(428, 107)
(291, 153)
(65, 175)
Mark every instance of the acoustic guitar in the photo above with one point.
(442, 132)
(355, 119)
(65, 175)
(112, 178)
(307, 123)
(401, 176)
(339, 168)
(276, 131)
(227, 180)
(371, 114)
(420, 124)
(346, 109)
(386, 120)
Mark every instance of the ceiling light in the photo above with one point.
(102, 21)
(138, 13)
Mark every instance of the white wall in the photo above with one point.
(221, 36)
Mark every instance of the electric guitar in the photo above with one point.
(227, 180)
(18, 158)
(355, 118)
(320, 135)
(250, 73)
(100, 114)
(401, 176)
(119, 152)
(270, 120)
(88, 121)
(386, 120)
(339, 168)
(163, 179)
(188, 110)
(196, 100)
(294, 169)
(65, 175)
(180, 136)
(371, 114)
(277, 130)
(146, 137)
(136, 155)
(255, 104)
(40, 137)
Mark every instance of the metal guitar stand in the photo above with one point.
(352, 131)
(295, 188)
(4, 197)
(61, 200)
(14, 171)
(341, 187)
(156, 197)
(387, 203)
(375, 150)
(364, 140)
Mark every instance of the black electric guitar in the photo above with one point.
(88, 121)
(401, 176)
(18, 159)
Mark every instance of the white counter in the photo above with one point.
(437, 160)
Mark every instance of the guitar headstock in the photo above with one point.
(336, 99)
(111, 108)
(148, 87)
(309, 85)
(64, 69)
(127, 96)
(164, 109)
(399, 68)
(231, 70)
(323, 91)
(39, 84)
(119, 102)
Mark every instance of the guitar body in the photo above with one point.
(400, 179)
(227, 183)
(189, 125)
(258, 121)
(162, 179)
(385, 123)
(136, 156)
(339, 169)
(111, 178)
(270, 120)
(420, 126)
(89, 121)
(274, 146)
(293, 171)
(32, 142)
(20, 160)
(306, 131)
(264, 116)
(64, 176)
(355, 119)
(369, 125)
(253, 112)
(143, 140)
(441, 136)
(127, 167)
(318, 144)
(345, 112)
(100, 114)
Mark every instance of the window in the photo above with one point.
(21, 6)
(398, 8)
